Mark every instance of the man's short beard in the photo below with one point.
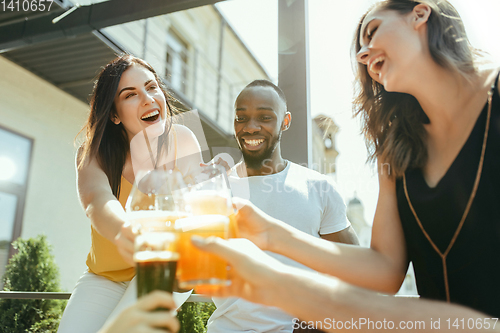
(257, 161)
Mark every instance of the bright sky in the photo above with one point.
(331, 28)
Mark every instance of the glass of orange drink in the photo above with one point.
(208, 203)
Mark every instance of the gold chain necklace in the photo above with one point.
(467, 208)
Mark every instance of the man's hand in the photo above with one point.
(223, 159)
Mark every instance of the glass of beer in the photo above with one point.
(208, 202)
(152, 210)
(198, 269)
(156, 258)
(210, 193)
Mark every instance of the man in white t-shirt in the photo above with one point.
(301, 197)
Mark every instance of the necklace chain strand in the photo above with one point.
(467, 208)
(154, 161)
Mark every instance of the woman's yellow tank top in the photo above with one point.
(104, 258)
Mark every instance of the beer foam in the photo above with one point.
(156, 237)
(208, 202)
(148, 214)
(145, 256)
(153, 219)
(202, 193)
(155, 241)
(201, 222)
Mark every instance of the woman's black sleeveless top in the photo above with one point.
(474, 261)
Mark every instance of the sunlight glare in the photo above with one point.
(7, 168)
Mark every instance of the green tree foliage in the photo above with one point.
(32, 268)
(193, 317)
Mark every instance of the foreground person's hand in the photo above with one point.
(257, 226)
(254, 274)
(142, 317)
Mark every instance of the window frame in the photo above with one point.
(19, 191)
(184, 89)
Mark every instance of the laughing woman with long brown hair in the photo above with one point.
(128, 98)
(432, 122)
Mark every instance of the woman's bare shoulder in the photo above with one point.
(182, 132)
(186, 141)
(490, 77)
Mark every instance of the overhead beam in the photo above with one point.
(85, 19)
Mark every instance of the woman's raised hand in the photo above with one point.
(124, 241)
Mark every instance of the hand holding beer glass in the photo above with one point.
(208, 202)
(152, 212)
(166, 214)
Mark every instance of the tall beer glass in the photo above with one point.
(210, 193)
(152, 211)
(208, 203)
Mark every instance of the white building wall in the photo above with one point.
(39, 110)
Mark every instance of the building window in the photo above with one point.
(15, 157)
(177, 62)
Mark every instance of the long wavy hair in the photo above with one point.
(393, 123)
(105, 140)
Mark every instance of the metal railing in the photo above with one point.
(194, 298)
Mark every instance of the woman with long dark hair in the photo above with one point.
(432, 121)
(128, 100)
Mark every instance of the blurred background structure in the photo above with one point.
(47, 75)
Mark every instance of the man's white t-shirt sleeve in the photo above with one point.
(334, 217)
